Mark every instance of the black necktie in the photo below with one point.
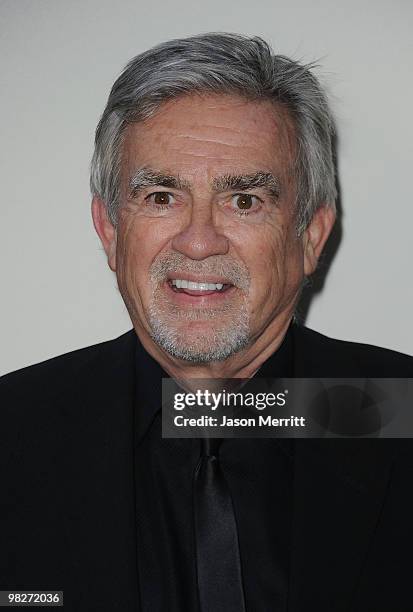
(217, 552)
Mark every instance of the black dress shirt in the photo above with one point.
(259, 473)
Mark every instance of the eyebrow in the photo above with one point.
(147, 177)
(245, 182)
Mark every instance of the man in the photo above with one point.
(213, 195)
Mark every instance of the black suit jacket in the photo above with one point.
(67, 487)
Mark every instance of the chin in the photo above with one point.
(200, 341)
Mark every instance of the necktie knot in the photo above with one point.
(210, 447)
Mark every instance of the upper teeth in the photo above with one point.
(184, 284)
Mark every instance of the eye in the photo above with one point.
(160, 199)
(245, 203)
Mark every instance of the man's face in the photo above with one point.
(207, 197)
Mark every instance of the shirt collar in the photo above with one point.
(149, 376)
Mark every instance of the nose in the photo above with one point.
(200, 238)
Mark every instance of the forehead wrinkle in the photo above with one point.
(206, 140)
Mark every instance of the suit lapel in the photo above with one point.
(339, 489)
(96, 468)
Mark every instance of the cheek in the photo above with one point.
(140, 242)
(276, 269)
(267, 258)
(138, 246)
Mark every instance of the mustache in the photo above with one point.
(233, 271)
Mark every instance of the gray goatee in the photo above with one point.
(229, 330)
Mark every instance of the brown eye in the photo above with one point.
(244, 201)
(161, 198)
(244, 204)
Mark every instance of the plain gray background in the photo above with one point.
(58, 62)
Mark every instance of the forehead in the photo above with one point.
(210, 134)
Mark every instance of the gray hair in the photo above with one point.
(220, 63)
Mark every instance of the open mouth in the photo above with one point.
(197, 288)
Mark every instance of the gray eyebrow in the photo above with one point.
(245, 182)
(146, 177)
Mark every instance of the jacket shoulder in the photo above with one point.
(320, 355)
(36, 401)
(67, 367)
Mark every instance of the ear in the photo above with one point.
(315, 237)
(105, 230)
